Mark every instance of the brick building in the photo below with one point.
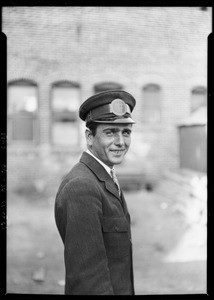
(59, 56)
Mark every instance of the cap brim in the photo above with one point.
(116, 121)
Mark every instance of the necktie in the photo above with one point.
(114, 177)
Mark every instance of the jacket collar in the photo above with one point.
(107, 168)
(100, 172)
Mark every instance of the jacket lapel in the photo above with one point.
(100, 172)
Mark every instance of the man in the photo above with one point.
(90, 210)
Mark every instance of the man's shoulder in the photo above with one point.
(79, 170)
(78, 179)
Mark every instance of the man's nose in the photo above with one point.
(119, 139)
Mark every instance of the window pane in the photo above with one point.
(65, 99)
(22, 98)
(22, 128)
(65, 105)
(199, 98)
(22, 110)
(151, 99)
(151, 115)
(151, 103)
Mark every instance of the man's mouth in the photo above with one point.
(118, 152)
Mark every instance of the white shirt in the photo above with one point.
(107, 168)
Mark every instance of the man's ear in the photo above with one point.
(89, 137)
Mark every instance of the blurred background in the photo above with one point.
(56, 58)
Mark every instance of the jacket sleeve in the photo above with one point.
(86, 262)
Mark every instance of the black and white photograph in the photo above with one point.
(106, 149)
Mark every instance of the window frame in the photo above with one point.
(196, 90)
(145, 106)
(53, 114)
(35, 115)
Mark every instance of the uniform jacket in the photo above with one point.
(94, 225)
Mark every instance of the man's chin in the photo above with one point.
(117, 161)
(116, 158)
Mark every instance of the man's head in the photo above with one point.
(110, 142)
(109, 125)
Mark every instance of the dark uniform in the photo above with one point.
(92, 216)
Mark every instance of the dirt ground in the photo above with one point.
(169, 254)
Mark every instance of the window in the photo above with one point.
(199, 98)
(105, 86)
(151, 103)
(22, 111)
(65, 104)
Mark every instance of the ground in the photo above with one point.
(169, 254)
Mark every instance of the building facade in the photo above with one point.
(59, 56)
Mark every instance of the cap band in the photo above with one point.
(118, 107)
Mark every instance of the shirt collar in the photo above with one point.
(107, 168)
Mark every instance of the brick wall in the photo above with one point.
(129, 45)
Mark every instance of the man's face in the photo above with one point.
(110, 143)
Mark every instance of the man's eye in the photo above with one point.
(109, 133)
(126, 133)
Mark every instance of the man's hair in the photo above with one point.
(92, 126)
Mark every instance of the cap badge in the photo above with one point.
(118, 107)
